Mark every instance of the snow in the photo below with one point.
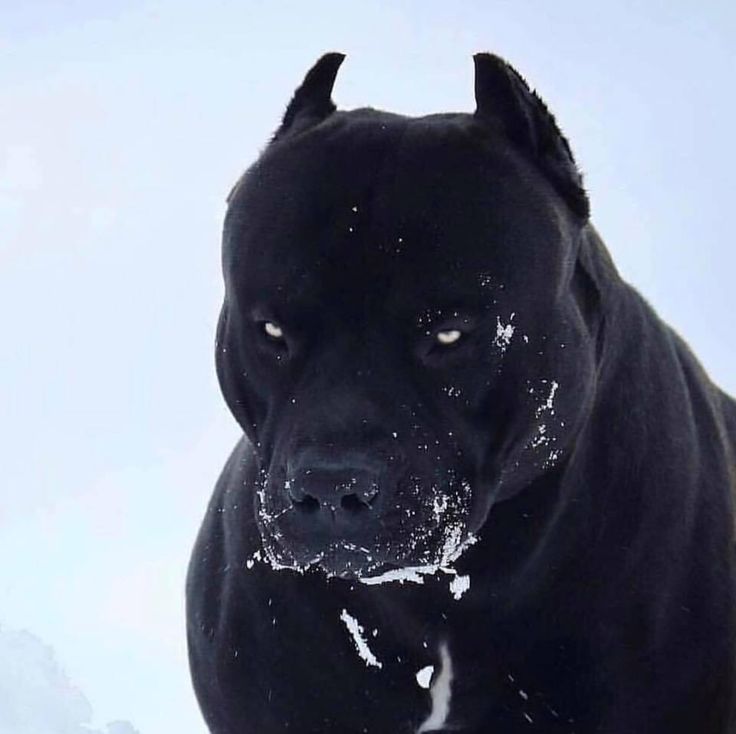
(357, 632)
(549, 403)
(504, 333)
(36, 697)
(424, 676)
(458, 586)
(415, 574)
(545, 435)
(411, 574)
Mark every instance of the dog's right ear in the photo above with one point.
(312, 102)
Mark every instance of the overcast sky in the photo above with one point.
(122, 128)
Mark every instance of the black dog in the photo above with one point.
(482, 487)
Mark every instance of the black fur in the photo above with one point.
(569, 431)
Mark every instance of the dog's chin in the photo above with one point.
(344, 562)
(425, 546)
(338, 560)
(348, 567)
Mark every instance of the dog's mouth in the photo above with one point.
(352, 563)
(413, 538)
(348, 561)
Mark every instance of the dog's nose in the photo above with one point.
(341, 494)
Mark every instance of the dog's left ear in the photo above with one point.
(503, 97)
(312, 102)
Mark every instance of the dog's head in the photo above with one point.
(405, 336)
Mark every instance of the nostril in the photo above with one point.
(330, 494)
(305, 503)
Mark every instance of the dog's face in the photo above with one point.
(403, 337)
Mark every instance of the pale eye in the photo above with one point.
(273, 330)
(448, 336)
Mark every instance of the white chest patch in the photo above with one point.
(440, 692)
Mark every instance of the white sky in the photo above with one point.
(123, 126)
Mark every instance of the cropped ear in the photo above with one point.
(503, 97)
(312, 101)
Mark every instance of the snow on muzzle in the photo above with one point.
(356, 524)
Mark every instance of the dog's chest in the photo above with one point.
(469, 680)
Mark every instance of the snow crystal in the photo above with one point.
(459, 585)
(250, 562)
(439, 506)
(356, 630)
(413, 574)
(424, 676)
(543, 436)
(504, 333)
(549, 403)
(541, 439)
